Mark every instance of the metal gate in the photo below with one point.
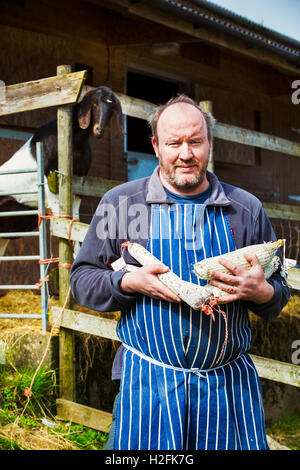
(41, 233)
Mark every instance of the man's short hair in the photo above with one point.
(154, 117)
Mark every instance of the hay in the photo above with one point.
(292, 308)
(24, 302)
(29, 302)
(35, 439)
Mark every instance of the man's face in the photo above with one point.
(182, 148)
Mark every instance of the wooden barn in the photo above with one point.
(153, 50)
(150, 50)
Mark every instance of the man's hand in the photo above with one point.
(243, 284)
(145, 281)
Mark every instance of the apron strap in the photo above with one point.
(193, 370)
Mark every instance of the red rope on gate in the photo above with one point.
(50, 215)
(28, 391)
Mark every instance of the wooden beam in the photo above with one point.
(141, 109)
(92, 186)
(65, 168)
(86, 323)
(281, 211)
(60, 228)
(52, 91)
(294, 278)
(256, 139)
(208, 106)
(81, 414)
(92, 324)
(276, 370)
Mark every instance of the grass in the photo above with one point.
(22, 426)
(286, 431)
(21, 418)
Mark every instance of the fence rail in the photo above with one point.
(92, 324)
(141, 109)
(60, 227)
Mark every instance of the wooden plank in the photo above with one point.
(294, 278)
(65, 162)
(81, 414)
(44, 93)
(282, 211)
(277, 371)
(134, 107)
(86, 323)
(207, 106)
(256, 139)
(106, 328)
(141, 109)
(60, 228)
(92, 186)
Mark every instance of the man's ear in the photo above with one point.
(155, 145)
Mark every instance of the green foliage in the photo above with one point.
(84, 438)
(14, 383)
(27, 413)
(6, 444)
(287, 430)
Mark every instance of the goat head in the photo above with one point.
(96, 108)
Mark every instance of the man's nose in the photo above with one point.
(185, 151)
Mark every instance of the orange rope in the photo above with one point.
(42, 281)
(69, 233)
(50, 215)
(208, 310)
(28, 391)
(48, 260)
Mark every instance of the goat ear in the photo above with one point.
(84, 112)
(117, 107)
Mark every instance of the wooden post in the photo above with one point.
(65, 168)
(207, 106)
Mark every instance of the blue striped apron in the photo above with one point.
(171, 395)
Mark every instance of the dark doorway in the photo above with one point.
(156, 91)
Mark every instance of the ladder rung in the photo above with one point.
(16, 213)
(19, 286)
(15, 193)
(20, 315)
(18, 234)
(16, 172)
(20, 258)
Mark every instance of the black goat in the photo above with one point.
(89, 117)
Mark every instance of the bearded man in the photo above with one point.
(173, 396)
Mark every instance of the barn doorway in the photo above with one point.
(157, 90)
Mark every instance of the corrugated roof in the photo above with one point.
(205, 12)
(264, 29)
